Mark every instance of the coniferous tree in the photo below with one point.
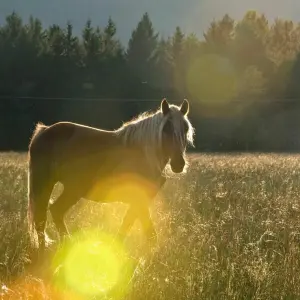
(141, 50)
(177, 52)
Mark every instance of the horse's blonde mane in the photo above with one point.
(146, 131)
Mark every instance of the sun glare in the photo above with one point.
(130, 189)
(92, 264)
(212, 80)
(127, 188)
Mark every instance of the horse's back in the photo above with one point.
(46, 136)
(64, 141)
(78, 150)
(80, 153)
(72, 134)
(80, 140)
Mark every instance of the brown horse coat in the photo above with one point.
(91, 163)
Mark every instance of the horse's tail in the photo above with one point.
(30, 208)
(39, 128)
(33, 175)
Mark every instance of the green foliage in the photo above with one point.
(252, 83)
(54, 62)
(251, 60)
(219, 36)
(140, 54)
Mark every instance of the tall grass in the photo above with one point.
(228, 229)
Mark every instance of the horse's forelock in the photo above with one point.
(178, 120)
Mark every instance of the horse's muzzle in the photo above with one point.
(178, 164)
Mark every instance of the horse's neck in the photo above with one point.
(149, 156)
(145, 162)
(158, 161)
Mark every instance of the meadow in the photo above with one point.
(227, 229)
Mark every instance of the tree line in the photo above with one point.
(251, 61)
(37, 61)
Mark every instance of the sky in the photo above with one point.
(191, 15)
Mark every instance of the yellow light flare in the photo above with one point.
(92, 264)
(126, 188)
(211, 80)
(131, 188)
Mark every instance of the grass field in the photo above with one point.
(228, 229)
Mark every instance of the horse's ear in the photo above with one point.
(165, 108)
(185, 107)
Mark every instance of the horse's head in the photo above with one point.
(177, 133)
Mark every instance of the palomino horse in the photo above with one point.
(92, 163)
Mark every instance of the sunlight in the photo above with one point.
(126, 188)
(211, 80)
(92, 265)
(130, 188)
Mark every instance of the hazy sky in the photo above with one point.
(191, 15)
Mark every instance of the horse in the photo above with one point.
(92, 163)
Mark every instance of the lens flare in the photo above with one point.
(92, 264)
(92, 267)
(212, 80)
(131, 188)
(126, 188)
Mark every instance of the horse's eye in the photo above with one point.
(186, 127)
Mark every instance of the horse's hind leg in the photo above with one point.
(140, 210)
(58, 209)
(40, 213)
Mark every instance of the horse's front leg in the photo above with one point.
(127, 223)
(141, 211)
(147, 224)
(144, 214)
